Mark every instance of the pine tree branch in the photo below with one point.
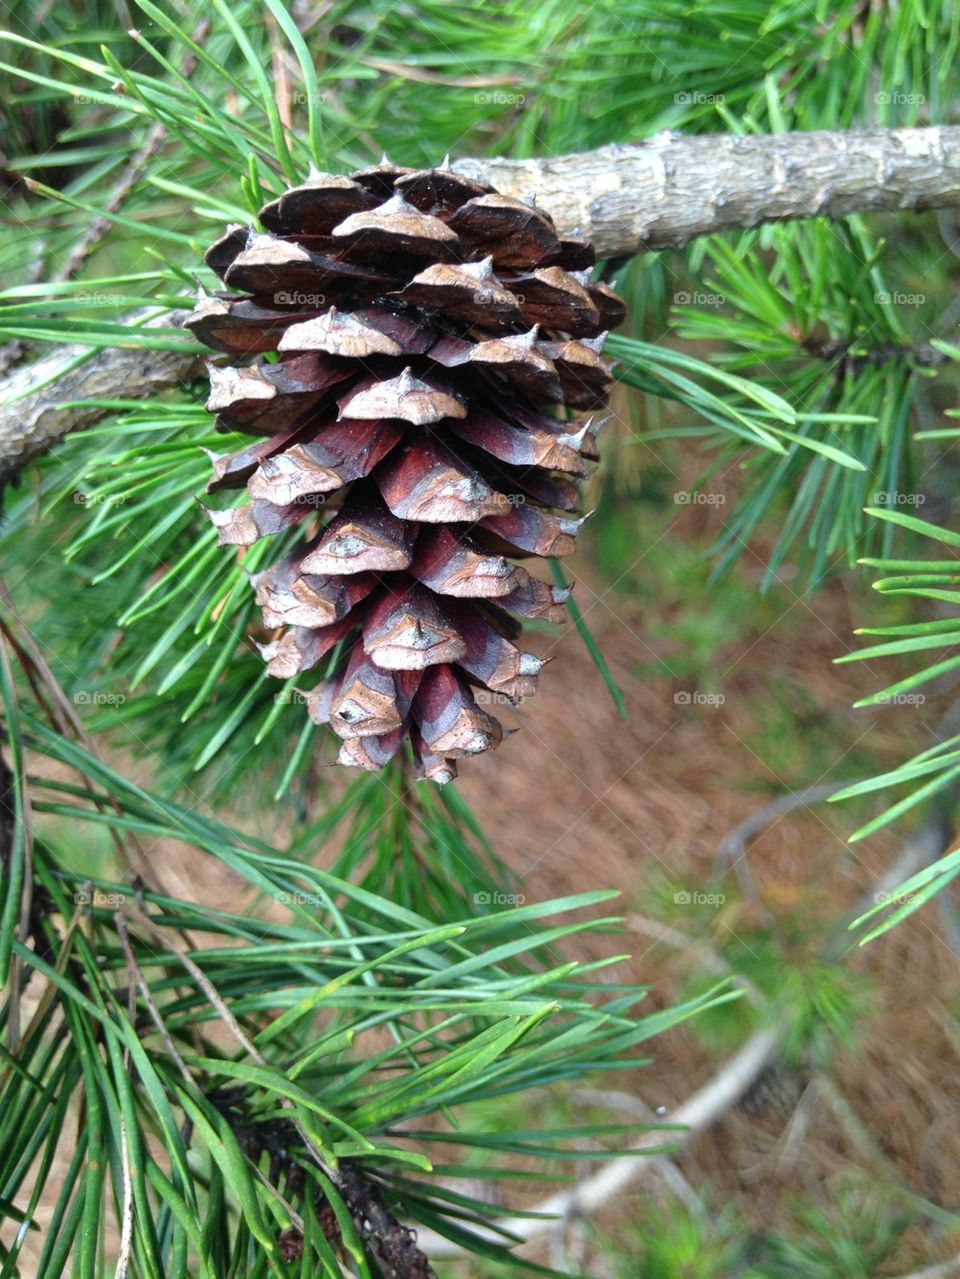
(662, 193)
(31, 421)
(845, 355)
(631, 199)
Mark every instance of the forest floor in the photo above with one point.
(734, 701)
(864, 1102)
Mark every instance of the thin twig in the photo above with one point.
(697, 1113)
(64, 720)
(241, 1036)
(26, 889)
(734, 845)
(851, 356)
(205, 984)
(126, 1224)
(660, 1164)
(137, 978)
(133, 171)
(95, 230)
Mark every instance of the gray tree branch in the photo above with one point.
(662, 193)
(658, 194)
(588, 1197)
(41, 402)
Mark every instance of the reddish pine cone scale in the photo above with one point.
(425, 330)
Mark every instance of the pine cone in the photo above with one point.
(425, 327)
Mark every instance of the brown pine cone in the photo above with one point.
(427, 329)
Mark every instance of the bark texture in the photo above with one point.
(38, 401)
(662, 193)
(631, 199)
